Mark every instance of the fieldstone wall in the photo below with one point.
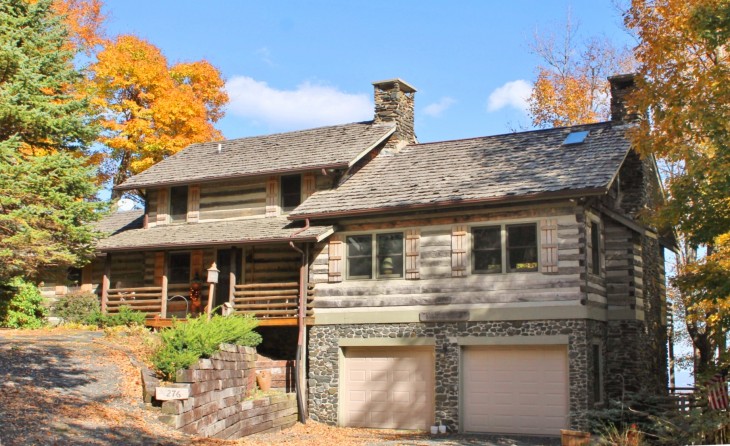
(324, 373)
(217, 405)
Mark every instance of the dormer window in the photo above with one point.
(291, 191)
(178, 204)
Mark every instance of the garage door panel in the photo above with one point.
(521, 390)
(394, 388)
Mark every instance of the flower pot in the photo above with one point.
(263, 380)
(574, 438)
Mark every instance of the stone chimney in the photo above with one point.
(621, 86)
(394, 104)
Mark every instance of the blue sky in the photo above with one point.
(292, 65)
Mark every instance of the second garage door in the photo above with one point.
(515, 390)
(389, 387)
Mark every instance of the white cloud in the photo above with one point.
(309, 105)
(439, 107)
(512, 94)
(126, 204)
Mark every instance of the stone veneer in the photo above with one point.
(324, 371)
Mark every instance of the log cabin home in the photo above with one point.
(501, 284)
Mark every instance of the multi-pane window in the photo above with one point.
(178, 270)
(597, 376)
(505, 248)
(291, 191)
(178, 203)
(375, 255)
(595, 249)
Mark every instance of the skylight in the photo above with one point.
(575, 138)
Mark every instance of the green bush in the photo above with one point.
(186, 342)
(126, 317)
(76, 308)
(21, 305)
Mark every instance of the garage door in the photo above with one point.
(515, 390)
(389, 388)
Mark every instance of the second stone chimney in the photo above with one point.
(621, 86)
(394, 104)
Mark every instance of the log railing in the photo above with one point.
(271, 300)
(145, 299)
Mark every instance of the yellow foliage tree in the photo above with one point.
(572, 86)
(684, 84)
(152, 110)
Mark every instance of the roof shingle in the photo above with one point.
(325, 147)
(490, 168)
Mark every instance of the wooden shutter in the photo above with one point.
(549, 246)
(193, 203)
(336, 253)
(272, 196)
(162, 206)
(196, 264)
(309, 185)
(159, 267)
(413, 263)
(458, 251)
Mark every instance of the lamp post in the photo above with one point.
(212, 280)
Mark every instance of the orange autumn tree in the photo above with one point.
(151, 110)
(572, 86)
(84, 21)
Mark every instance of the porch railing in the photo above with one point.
(271, 300)
(145, 299)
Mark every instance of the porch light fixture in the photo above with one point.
(213, 274)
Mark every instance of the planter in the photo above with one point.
(574, 438)
(263, 380)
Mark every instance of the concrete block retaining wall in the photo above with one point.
(217, 405)
(282, 373)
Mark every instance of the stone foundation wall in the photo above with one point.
(217, 405)
(324, 373)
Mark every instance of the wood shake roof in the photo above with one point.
(121, 221)
(325, 147)
(514, 166)
(248, 231)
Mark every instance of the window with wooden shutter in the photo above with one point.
(193, 204)
(336, 248)
(413, 263)
(549, 246)
(458, 251)
(309, 185)
(272, 196)
(196, 263)
(162, 206)
(159, 267)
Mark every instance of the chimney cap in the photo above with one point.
(388, 84)
(622, 79)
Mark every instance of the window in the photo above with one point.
(179, 203)
(505, 248)
(178, 270)
(387, 261)
(595, 248)
(291, 191)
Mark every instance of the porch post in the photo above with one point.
(232, 275)
(163, 297)
(105, 281)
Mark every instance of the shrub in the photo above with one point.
(125, 317)
(21, 305)
(76, 308)
(186, 342)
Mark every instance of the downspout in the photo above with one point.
(299, 366)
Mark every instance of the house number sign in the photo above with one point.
(171, 393)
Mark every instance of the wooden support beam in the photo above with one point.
(163, 298)
(106, 281)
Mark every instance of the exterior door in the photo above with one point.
(228, 260)
(388, 388)
(515, 390)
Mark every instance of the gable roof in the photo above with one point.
(321, 148)
(248, 231)
(505, 167)
(121, 221)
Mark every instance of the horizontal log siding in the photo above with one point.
(271, 263)
(624, 270)
(128, 269)
(151, 208)
(437, 286)
(232, 199)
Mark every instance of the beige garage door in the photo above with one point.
(516, 390)
(389, 387)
